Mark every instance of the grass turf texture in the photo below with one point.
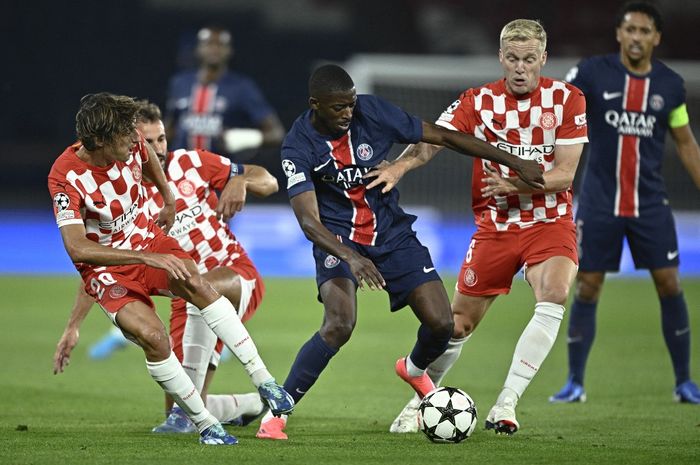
(102, 412)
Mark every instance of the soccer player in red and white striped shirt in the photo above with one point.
(536, 118)
(124, 257)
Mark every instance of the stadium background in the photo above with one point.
(418, 54)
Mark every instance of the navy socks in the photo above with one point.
(676, 330)
(580, 337)
(307, 367)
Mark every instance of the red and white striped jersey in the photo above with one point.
(529, 127)
(108, 200)
(193, 177)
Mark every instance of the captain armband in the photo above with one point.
(678, 117)
(237, 169)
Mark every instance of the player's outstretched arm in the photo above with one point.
(82, 250)
(389, 174)
(305, 206)
(153, 172)
(688, 151)
(255, 179)
(559, 178)
(71, 334)
(528, 170)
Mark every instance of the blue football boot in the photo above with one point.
(177, 422)
(571, 392)
(105, 347)
(687, 393)
(216, 435)
(274, 395)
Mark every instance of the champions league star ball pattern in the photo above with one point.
(447, 414)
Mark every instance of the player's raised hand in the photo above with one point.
(365, 272)
(385, 173)
(61, 358)
(530, 172)
(232, 198)
(495, 184)
(175, 267)
(166, 217)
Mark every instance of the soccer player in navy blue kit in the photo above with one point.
(213, 108)
(362, 237)
(633, 101)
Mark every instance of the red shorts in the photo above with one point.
(495, 256)
(115, 286)
(252, 292)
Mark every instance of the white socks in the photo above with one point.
(222, 318)
(174, 381)
(532, 348)
(198, 343)
(411, 369)
(226, 407)
(440, 366)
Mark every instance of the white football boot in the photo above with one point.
(408, 420)
(501, 418)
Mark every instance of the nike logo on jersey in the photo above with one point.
(316, 168)
(611, 95)
(672, 255)
(428, 270)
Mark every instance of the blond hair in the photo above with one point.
(521, 30)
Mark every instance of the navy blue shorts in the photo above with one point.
(651, 238)
(403, 262)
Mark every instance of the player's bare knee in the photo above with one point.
(462, 327)
(554, 294)
(443, 327)
(589, 286)
(337, 333)
(155, 341)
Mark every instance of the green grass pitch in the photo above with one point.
(102, 412)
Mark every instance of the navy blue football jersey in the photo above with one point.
(628, 117)
(202, 112)
(333, 166)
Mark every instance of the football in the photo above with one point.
(447, 414)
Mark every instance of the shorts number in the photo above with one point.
(470, 252)
(97, 285)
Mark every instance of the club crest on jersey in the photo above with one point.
(548, 121)
(364, 152)
(61, 201)
(331, 261)
(117, 291)
(186, 188)
(470, 278)
(656, 102)
(136, 173)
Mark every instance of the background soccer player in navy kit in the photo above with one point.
(213, 108)
(632, 100)
(362, 237)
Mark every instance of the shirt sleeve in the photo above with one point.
(404, 127)
(67, 201)
(573, 128)
(577, 76)
(297, 168)
(215, 169)
(459, 115)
